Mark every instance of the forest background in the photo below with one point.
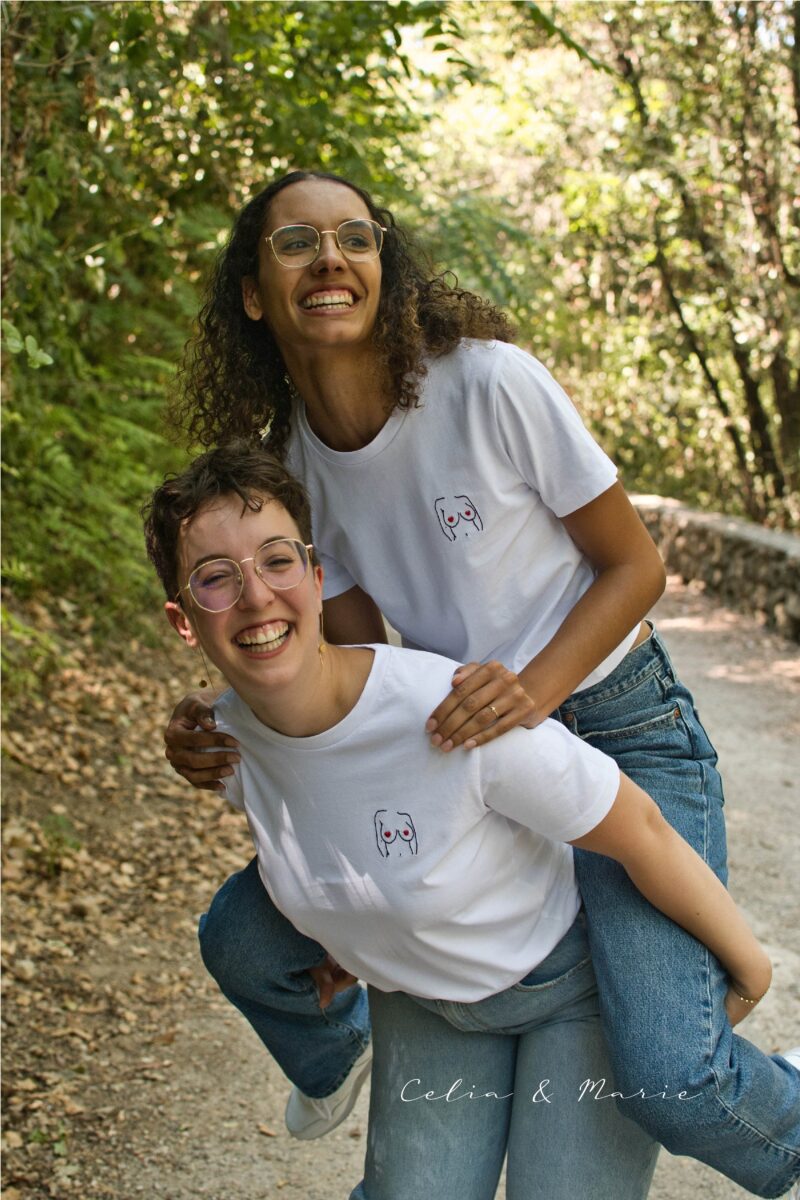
(621, 177)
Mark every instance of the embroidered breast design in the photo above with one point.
(458, 517)
(395, 834)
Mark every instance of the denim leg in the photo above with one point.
(579, 1144)
(260, 963)
(661, 992)
(426, 1149)
(455, 1084)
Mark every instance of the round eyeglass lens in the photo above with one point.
(359, 239)
(216, 585)
(295, 245)
(281, 564)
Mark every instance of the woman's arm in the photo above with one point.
(350, 618)
(630, 578)
(669, 874)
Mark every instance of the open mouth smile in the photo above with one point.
(262, 640)
(340, 299)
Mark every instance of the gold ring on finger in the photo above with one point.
(492, 708)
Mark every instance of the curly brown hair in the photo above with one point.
(233, 381)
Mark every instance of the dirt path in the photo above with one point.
(125, 1075)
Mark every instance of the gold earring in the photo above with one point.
(322, 643)
(203, 682)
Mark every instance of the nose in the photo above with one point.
(330, 256)
(255, 592)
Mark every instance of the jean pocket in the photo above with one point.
(618, 726)
(665, 731)
(565, 960)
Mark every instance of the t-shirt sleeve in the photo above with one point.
(545, 438)
(226, 722)
(548, 780)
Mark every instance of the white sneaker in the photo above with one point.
(307, 1118)
(793, 1057)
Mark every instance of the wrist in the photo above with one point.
(545, 699)
(752, 985)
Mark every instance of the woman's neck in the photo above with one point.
(345, 395)
(310, 706)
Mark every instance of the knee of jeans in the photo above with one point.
(226, 958)
(215, 952)
(680, 1117)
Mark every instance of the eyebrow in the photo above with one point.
(212, 558)
(278, 537)
(311, 225)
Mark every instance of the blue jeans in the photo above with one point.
(661, 993)
(261, 964)
(455, 1086)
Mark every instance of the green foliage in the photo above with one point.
(640, 223)
(28, 654)
(131, 133)
(618, 177)
(58, 838)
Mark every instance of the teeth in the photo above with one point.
(263, 637)
(329, 300)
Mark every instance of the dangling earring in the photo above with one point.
(322, 643)
(203, 682)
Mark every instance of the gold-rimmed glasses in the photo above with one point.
(299, 245)
(216, 585)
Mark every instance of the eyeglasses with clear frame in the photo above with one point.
(296, 246)
(217, 585)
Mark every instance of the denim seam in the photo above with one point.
(765, 1139)
(527, 988)
(360, 1048)
(610, 735)
(611, 693)
(740, 1121)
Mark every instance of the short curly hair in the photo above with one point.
(238, 468)
(233, 381)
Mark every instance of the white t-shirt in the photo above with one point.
(449, 518)
(441, 875)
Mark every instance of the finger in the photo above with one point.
(201, 760)
(494, 731)
(483, 707)
(194, 739)
(323, 982)
(199, 711)
(489, 721)
(325, 992)
(342, 980)
(478, 677)
(464, 672)
(201, 778)
(470, 739)
(474, 707)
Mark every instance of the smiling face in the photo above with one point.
(269, 639)
(331, 303)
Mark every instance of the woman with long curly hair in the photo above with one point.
(456, 491)
(235, 381)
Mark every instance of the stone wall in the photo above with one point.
(749, 568)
